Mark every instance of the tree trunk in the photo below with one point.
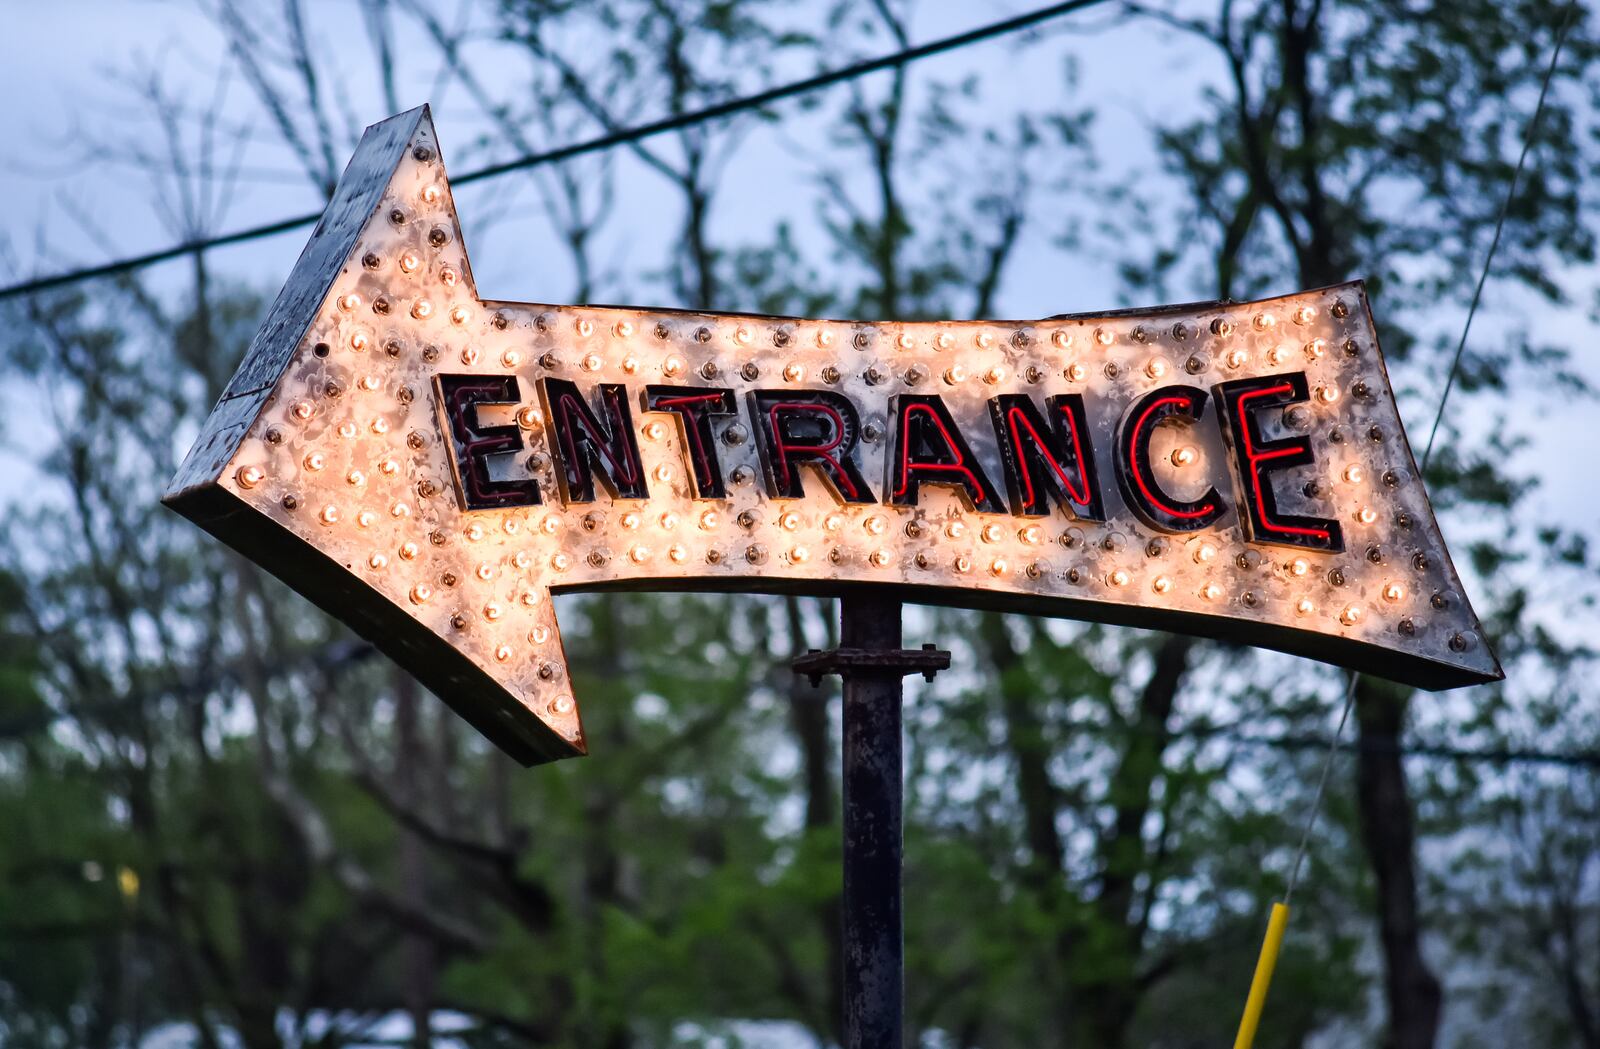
(1386, 829)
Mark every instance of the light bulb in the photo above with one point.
(1184, 455)
(1394, 592)
(1350, 616)
(1162, 585)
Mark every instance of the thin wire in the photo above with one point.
(1449, 383)
(1494, 245)
(607, 141)
(1322, 789)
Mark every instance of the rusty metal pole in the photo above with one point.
(874, 927)
(872, 663)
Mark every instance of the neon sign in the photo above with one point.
(430, 466)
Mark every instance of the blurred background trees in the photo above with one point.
(227, 822)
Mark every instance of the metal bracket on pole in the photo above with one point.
(871, 662)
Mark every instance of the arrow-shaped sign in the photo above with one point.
(429, 466)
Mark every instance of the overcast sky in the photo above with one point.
(62, 58)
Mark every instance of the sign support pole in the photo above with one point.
(871, 662)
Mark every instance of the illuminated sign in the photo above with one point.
(429, 466)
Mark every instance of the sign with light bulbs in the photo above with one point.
(430, 466)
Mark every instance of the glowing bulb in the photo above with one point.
(669, 521)
(430, 194)
(793, 372)
(833, 522)
(630, 365)
(708, 520)
(1211, 592)
(997, 566)
(550, 525)
(529, 418)
(1350, 616)
(985, 340)
(1204, 553)
(1278, 354)
(1265, 321)
(491, 611)
(992, 533)
(954, 374)
(347, 430)
(1161, 585)
(1118, 578)
(1104, 337)
(420, 593)
(879, 558)
(459, 315)
(301, 410)
(654, 431)
(250, 476)
(1353, 474)
(400, 510)
(664, 472)
(1156, 367)
(1304, 606)
(742, 336)
(562, 705)
(963, 564)
(875, 525)
(366, 518)
(1299, 566)
(355, 478)
(1061, 339)
(1030, 534)
(1317, 349)
(789, 521)
(1394, 592)
(422, 309)
(623, 329)
(677, 553)
(561, 562)
(943, 340)
(955, 529)
(1328, 394)
(330, 514)
(409, 262)
(511, 358)
(1366, 515)
(591, 362)
(798, 555)
(408, 551)
(1076, 372)
(1184, 456)
(315, 461)
(377, 561)
(585, 327)
(824, 338)
(994, 375)
(1304, 315)
(672, 366)
(639, 554)
(1236, 358)
(503, 653)
(350, 302)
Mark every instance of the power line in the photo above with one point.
(607, 141)
(1334, 744)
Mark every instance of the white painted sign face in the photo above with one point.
(430, 466)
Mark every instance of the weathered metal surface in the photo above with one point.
(873, 905)
(335, 461)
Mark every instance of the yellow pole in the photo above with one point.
(1263, 978)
